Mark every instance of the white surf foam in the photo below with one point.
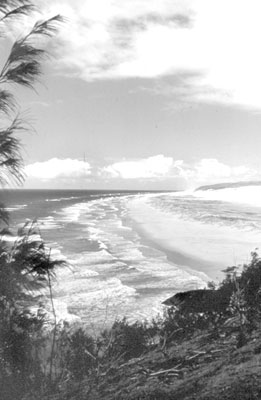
(16, 207)
(250, 195)
(48, 223)
(216, 246)
(73, 213)
(64, 198)
(8, 238)
(131, 277)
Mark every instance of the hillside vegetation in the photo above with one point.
(181, 355)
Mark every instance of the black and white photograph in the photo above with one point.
(130, 200)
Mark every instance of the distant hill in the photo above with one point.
(227, 185)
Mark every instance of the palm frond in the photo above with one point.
(31, 253)
(10, 10)
(23, 65)
(8, 5)
(17, 12)
(24, 73)
(47, 27)
(10, 153)
(22, 51)
(4, 216)
(7, 102)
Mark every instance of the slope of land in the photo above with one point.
(202, 368)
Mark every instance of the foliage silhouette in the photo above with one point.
(25, 264)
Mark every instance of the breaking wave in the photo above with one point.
(129, 252)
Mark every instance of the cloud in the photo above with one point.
(102, 36)
(153, 172)
(216, 41)
(56, 168)
(213, 169)
(208, 170)
(151, 167)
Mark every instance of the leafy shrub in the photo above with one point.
(20, 354)
(177, 324)
(250, 281)
(80, 354)
(126, 340)
(245, 291)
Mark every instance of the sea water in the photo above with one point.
(129, 251)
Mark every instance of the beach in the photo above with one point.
(201, 246)
(128, 252)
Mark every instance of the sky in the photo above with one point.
(138, 94)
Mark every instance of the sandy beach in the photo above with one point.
(191, 244)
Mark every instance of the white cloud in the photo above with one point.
(56, 168)
(210, 170)
(215, 41)
(151, 167)
(160, 167)
(156, 170)
(102, 35)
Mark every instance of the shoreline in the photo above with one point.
(194, 266)
(170, 235)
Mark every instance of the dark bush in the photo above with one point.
(126, 340)
(80, 356)
(178, 325)
(250, 282)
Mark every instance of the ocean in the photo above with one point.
(129, 251)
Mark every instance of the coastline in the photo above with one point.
(134, 269)
(211, 249)
(194, 266)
